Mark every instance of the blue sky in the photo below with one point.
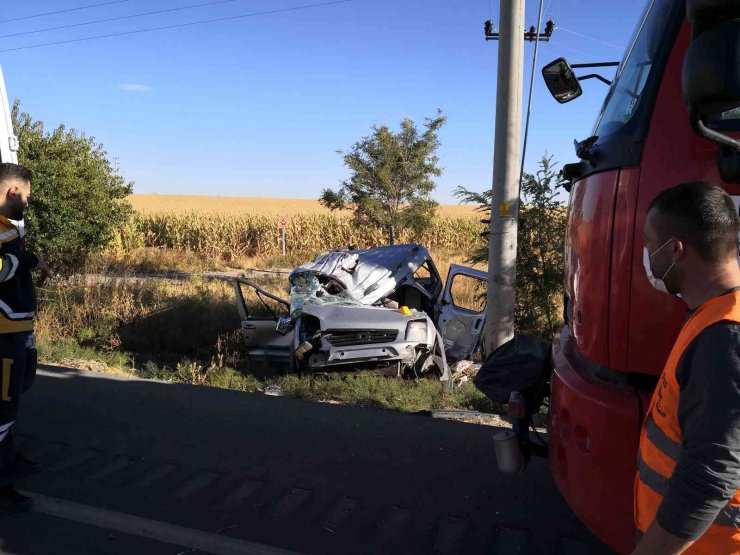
(258, 106)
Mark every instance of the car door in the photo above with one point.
(259, 317)
(462, 311)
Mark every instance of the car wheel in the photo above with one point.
(428, 363)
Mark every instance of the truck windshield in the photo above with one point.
(626, 91)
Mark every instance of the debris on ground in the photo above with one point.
(274, 390)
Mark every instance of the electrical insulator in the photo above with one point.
(488, 28)
(549, 27)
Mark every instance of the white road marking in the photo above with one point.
(150, 529)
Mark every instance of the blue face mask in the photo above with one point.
(656, 282)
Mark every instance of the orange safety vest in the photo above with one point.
(660, 440)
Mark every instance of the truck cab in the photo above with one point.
(618, 330)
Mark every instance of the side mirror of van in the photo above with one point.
(561, 81)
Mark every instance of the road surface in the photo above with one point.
(148, 467)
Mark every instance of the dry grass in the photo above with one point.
(189, 332)
(239, 206)
(159, 320)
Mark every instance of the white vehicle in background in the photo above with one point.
(8, 140)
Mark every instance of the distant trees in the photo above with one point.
(77, 199)
(391, 177)
(540, 253)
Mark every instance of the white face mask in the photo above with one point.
(658, 283)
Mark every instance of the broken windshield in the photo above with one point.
(306, 289)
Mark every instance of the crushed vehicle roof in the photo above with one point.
(366, 276)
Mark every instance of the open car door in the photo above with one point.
(259, 311)
(462, 313)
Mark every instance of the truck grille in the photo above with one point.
(347, 338)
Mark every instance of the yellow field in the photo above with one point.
(239, 206)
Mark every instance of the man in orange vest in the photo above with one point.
(686, 490)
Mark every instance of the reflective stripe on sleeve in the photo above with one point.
(8, 235)
(728, 516)
(4, 429)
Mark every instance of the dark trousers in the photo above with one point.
(13, 371)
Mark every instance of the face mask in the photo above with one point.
(658, 283)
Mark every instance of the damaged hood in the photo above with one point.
(365, 275)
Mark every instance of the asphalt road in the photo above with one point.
(148, 467)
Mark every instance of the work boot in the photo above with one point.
(20, 465)
(11, 500)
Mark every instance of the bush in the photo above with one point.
(540, 249)
(77, 200)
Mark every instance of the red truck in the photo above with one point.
(668, 118)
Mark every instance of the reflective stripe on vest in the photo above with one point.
(728, 516)
(660, 439)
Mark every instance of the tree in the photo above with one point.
(540, 256)
(77, 199)
(391, 178)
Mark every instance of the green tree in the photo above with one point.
(391, 178)
(77, 200)
(540, 255)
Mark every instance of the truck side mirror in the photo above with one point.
(561, 81)
(711, 78)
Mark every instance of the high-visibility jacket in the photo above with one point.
(660, 440)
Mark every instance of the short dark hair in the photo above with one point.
(700, 214)
(14, 171)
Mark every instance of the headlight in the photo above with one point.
(416, 331)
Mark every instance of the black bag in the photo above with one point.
(522, 364)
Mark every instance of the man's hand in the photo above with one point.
(44, 267)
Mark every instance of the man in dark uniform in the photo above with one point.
(17, 310)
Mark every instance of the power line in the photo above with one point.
(579, 52)
(131, 16)
(620, 47)
(549, 7)
(62, 11)
(203, 21)
(529, 100)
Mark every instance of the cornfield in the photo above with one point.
(230, 237)
(159, 204)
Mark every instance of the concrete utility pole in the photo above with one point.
(506, 165)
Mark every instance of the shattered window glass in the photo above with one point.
(306, 289)
(427, 278)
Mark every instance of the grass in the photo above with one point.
(188, 332)
(369, 390)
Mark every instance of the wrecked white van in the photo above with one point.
(382, 308)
